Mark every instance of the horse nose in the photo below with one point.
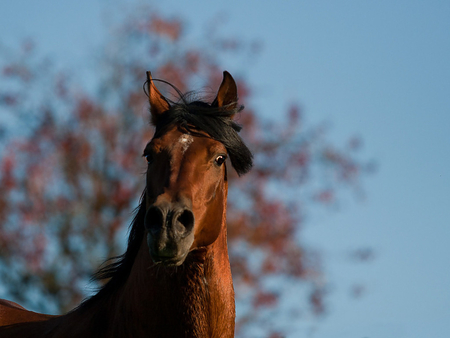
(177, 221)
(183, 222)
(155, 219)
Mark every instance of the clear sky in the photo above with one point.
(379, 69)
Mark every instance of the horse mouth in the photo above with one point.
(168, 252)
(171, 261)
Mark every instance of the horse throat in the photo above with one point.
(195, 299)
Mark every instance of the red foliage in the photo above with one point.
(7, 166)
(163, 27)
(265, 299)
(317, 301)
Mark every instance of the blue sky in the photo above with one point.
(379, 69)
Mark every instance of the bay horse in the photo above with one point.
(174, 280)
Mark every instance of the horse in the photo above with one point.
(174, 279)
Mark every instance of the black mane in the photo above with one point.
(118, 268)
(217, 122)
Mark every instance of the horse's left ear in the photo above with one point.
(227, 94)
(158, 103)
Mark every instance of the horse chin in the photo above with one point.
(168, 261)
(169, 253)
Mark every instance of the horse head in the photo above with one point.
(186, 180)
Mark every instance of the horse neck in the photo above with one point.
(195, 299)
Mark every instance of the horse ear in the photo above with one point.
(158, 103)
(227, 94)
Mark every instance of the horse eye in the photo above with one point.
(220, 159)
(149, 158)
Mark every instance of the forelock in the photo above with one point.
(198, 117)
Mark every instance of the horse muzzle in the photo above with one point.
(169, 232)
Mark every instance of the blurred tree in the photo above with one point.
(71, 173)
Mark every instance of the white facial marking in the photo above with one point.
(185, 140)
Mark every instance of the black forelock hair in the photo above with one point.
(196, 116)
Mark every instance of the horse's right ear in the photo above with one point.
(158, 103)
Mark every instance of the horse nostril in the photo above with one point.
(154, 219)
(186, 219)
